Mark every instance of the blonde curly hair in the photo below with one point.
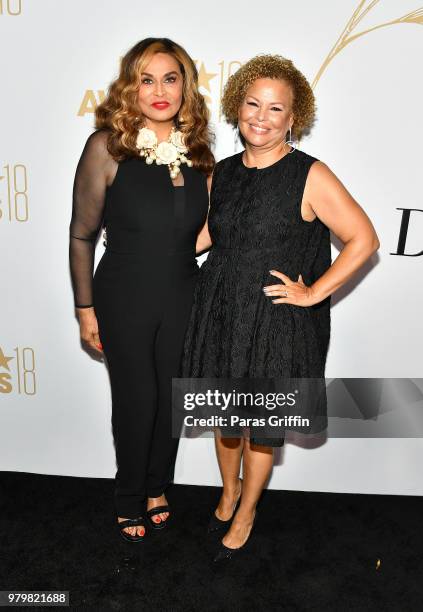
(271, 67)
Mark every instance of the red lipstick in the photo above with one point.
(161, 105)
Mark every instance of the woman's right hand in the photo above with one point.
(88, 327)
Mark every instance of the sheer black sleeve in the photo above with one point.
(95, 171)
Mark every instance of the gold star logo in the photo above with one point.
(205, 77)
(4, 360)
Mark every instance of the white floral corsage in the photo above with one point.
(171, 153)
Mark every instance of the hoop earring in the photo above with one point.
(290, 142)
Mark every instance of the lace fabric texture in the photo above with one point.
(255, 224)
(94, 174)
(235, 331)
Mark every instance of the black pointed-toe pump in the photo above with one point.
(225, 554)
(216, 524)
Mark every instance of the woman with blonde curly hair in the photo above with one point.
(272, 207)
(143, 177)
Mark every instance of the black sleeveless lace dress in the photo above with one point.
(255, 223)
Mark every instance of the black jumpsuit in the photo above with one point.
(142, 294)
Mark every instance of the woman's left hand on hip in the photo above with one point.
(291, 292)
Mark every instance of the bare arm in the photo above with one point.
(203, 239)
(329, 200)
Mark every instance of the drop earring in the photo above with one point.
(290, 142)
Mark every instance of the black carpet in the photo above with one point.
(308, 551)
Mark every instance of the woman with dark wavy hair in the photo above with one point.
(143, 177)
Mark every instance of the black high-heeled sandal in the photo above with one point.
(132, 523)
(225, 554)
(158, 510)
(216, 524)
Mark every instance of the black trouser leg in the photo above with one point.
(168, 354)
(131, 363)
